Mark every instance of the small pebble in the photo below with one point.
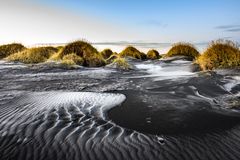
(161, 140)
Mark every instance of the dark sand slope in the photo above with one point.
(161, 110)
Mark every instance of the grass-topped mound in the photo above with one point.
(153, 54)
(84, 50)
(220, 54)
(130, 51)
(33, 55)
(112, 57)
(80, 48)
(120, 63)
(106, 53)
(59, 47)
(183, 49)
(72, 59)
(94, 60)
(7, 50)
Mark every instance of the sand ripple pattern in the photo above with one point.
(63, 125)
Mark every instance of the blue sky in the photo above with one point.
(125, 20)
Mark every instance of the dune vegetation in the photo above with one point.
(153, 54)
(72, 59)
(131, 51)
(80, 48)
(7, 50)
(106, 53)
(91, 57)
(59, 47)
(183, 49)
(220, 54)
(119, 62)
(68, 62)
(33, 55)
(94, 60)
(112, 57)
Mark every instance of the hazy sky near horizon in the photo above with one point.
(60, 21)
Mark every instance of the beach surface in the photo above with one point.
(163, 109)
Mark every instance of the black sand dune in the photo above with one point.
(161, 110)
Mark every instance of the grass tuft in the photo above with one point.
(68, 62)
(153, 54)
(80, 48)
(130, 51)
(84, 50)
(7, 50)
(183, 49)
(59, 47)
(121, 63)
(106, 53)
(112, 57)
(94, 60)
(220, 54)
(33, 55)
(73, 58)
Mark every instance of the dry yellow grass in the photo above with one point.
(94, 60)
(7, 50)
(153, 54)
(106, 53)
(33, 55)
(130, 51)
(112, 57)
(68, 62)
(82, 49)
(183, 49)
(121, 63)
(74, 58)
(220, 54)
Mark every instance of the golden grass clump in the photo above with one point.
(94, 60)
(68, 62)
(33, 55)
(220, 54)
(106, 53)
(121, 63)
(183, 49)
(7, 50)
(153, 54)
(82, 49)
(130, 51)
(59, 47)
(112, 57)
(73, 59)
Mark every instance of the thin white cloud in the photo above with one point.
(229, 28)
